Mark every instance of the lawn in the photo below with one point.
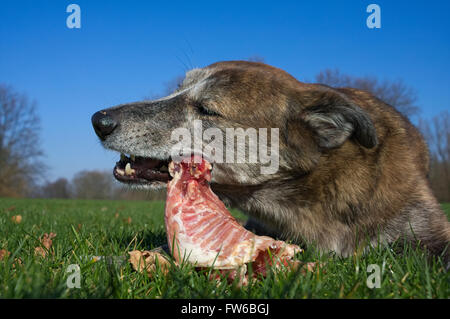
(112, 228)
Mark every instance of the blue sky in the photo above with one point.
(127, 50)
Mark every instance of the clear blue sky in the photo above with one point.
(128, 50)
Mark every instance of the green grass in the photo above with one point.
(87, 228)
(446, 208)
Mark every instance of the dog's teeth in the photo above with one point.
(163, 168)
(171, 169)
(120, 171)
(122, 157)
(129, 170)
(133, 158)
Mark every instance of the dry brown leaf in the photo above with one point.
(312, 267)
(4, 254)
(17, 219)
(116, 215)
(39, 251)
(47, 242)
(147, 260)
(128, 220)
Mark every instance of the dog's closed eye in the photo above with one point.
(201, 109)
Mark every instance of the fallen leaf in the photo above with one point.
(4, 254)
(127, 220)
(104, 209)
(47, 242)
(147, 261)
(17, 219)
(116, 215)
(312, 267)
(39, 251)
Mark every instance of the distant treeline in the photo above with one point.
(94, 184)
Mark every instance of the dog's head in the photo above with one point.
(303, 120)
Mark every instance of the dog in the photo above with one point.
(352, 170)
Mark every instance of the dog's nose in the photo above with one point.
(103, 123)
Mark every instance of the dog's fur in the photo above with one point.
(352, 169)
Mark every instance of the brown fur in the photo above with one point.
(352, 169)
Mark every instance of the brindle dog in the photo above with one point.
(352, 170)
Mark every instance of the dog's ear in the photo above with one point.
(333, 119)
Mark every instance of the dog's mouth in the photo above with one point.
(141, 170)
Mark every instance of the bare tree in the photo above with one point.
(394, 93)
(437, 134)
(20, 151)
(93, 185)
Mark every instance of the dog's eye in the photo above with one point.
(205, 111)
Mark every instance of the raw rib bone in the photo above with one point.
(200, 229)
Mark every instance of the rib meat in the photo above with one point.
(200, 229)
